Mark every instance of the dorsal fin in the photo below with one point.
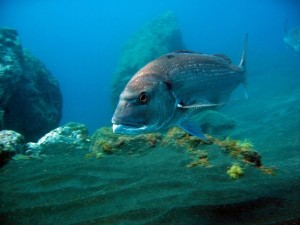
(225, 57)
(184, 51)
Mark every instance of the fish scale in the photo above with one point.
(173, 88)
(204, 77)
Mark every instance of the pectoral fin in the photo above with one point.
(192, 128)
(203, 105)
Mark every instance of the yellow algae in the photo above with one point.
(201, 159)
(268, 170)
(105, 142)
(241, 150)
(106, 147)
(235, 171)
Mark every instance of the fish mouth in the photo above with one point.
(127, 129)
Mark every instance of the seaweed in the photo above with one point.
(104, 142)
(235, 171)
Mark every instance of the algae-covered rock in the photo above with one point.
(71, 138)
(105, 141)
(158, 37)
(30, 97)
(11, 143)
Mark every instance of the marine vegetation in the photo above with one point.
(235, 171)
(104, 142)
(240, 150)
(200, 159)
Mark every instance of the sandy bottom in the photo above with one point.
(158, 188)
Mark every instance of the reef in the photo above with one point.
(103, 141)
(30, 97)
(160, 36)
(242, 153)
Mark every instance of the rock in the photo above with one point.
(239, 152)
(11, 67)
(105, 141)
(71, 138)
(11, 143)
(158, 37)
(30, 98)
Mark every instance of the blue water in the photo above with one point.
(80, 41)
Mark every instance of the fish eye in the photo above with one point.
(143, 98)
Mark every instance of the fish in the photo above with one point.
(174, 88)
(292, 37)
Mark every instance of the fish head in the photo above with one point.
(144, 106)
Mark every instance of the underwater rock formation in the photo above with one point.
(11, 143)
(30, 98)
(104, 142)
(158, 37)
(68, 139)
(212, 122)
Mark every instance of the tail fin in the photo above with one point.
(243, 64)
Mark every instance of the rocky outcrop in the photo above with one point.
(30, 98)
(11, 143)
(69, 139)
(158, 37)
(11, 66)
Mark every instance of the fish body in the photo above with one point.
(292, 38)
(172, 89)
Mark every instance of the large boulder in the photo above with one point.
(158, 37)
(30, 97)
(11, 66)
